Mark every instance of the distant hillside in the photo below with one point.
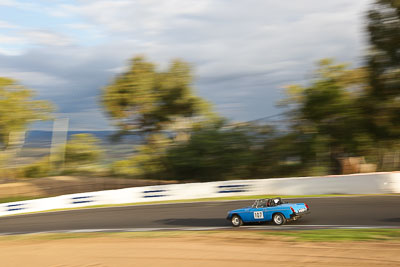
(43, 138)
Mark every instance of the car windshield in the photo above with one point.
(260, 203)
(271, 202)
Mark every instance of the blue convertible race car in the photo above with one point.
(266, 210)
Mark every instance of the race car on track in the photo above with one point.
(267, 210)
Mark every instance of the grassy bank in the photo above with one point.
(329, 235)
(333, 235)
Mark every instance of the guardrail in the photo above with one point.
(372, 183)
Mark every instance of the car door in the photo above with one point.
(247, 215)
(268, 211)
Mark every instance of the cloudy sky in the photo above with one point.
(242, 52)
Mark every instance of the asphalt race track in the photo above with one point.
(337, 212)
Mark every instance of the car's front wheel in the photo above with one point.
(278, 219)
(236, 221)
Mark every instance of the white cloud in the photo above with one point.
(61, 11)
(31, 78)
(8, 3)
(47, 38)
(232, 36)
(81, 26)
(6, 25)
(242, 51)
(135, 15)
(4, 39)
(19, 4)
(10, 51)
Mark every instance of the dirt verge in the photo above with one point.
(193, 250)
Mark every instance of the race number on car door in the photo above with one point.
(258, 215)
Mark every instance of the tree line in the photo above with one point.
(344, 120)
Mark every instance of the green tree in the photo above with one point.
(277, 154)
(18, 109)
(382, 104)
(82, 149)
(327, 117)
(148, 161)
(150, 101)
(212, 153)
(161, 105)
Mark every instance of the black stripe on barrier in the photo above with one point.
(153, 193)
(154, 196)
(236, 188)
(232, 186)
(83, 199)
(14, 207)
(80, 202)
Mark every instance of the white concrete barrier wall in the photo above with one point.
(395, 182)
(373, 183)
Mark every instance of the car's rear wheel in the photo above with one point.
(278, 219)
(236, 221)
